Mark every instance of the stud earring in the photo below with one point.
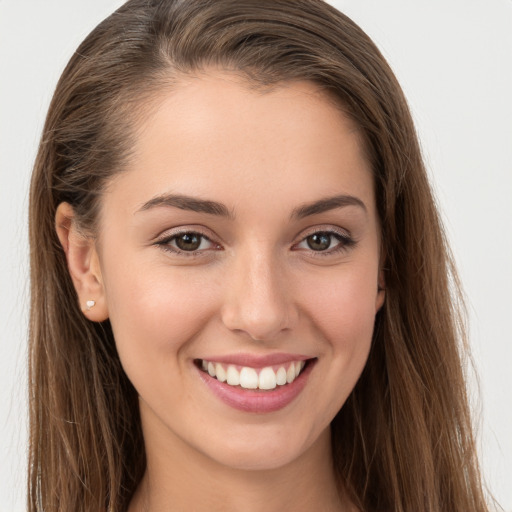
(90, 304)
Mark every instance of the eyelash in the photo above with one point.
(165, 242)
(345, 243)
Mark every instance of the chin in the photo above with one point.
(254, 460)
(265, 450)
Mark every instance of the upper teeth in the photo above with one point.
(252, 378)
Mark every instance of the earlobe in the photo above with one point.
(83, 264)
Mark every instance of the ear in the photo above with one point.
(83, 264)
(381, 291)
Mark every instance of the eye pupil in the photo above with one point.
(319, 241)
(188, 241)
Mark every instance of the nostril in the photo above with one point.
(259, 328)
(258, 303)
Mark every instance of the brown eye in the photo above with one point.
(188, 241)
(326, 243)
(319, 241)
(188, 244)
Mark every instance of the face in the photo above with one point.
(239, 258)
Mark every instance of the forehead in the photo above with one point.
(218, 134)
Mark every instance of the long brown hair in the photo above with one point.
(403, 440)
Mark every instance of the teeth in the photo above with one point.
(233, 377)
(220, 373)
(281, 377)
(290, 374)
(248, 378)
(268, 379)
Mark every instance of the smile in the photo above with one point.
(256, 384)
(246, 377)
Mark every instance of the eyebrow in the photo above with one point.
(326, 204)
(184, 202)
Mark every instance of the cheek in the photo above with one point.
(343, 305)
(342, 312)
(154, 314)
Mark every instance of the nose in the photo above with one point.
(259, 298)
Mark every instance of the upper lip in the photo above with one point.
(256, 361)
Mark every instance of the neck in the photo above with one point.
(184, 479)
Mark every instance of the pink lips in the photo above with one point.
(258, 401)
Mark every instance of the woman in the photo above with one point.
(240, 285)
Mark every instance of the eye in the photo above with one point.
(319, 241)
(190, 241)
(326, 242)
(187, 242)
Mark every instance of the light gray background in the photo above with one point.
(454, 60)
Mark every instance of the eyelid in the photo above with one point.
(345, 238)
(178, 230)
(343, 235)
(163, 240)
(324, 228)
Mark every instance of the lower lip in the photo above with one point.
(250, 400)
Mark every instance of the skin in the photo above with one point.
(256, 287)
